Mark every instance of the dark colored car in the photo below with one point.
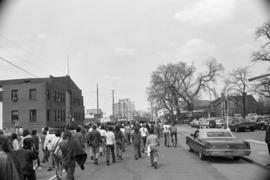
(242, 124)
(262, 122)
(217, 142)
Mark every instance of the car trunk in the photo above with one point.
(220, 143)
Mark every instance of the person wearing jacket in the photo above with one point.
(136, 141)
(267, 138)
(153, 143)
(94, 140)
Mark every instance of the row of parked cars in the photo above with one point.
(235, 123)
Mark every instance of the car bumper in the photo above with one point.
(227, 152)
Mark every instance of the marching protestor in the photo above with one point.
(15, 141)
(80, 136)
(166, 132)
(122, 129)
(144, 134)
(110, 143)
(94, 140)
(119, 139)
(128, 132)
(26, 157)
(36, 147)
(174, 134)
(136, 141)
(102, 132)
(25, 135)
(9, 169)
(72, 152)
(153, 143)
(48, 145)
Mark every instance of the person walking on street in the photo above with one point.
(267, 138)
(102, 132)
(144, 134)
(94, 140)
(136, 140)
(174, 134)
(36, 147)
(119, 138)
(110, 143)
(153, 143)
(15, 141)
(166, 132)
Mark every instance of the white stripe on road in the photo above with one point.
(255, 141)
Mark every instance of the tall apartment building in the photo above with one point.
(40, 102)
(124, 110)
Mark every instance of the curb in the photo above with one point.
(256, 162)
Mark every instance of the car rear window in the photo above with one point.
(219, 134)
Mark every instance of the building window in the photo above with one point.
(14, 95)
(33, 115)
(32, 94)
(48, 115)
(14, 116)
(48, 94)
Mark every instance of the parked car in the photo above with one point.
(242, 124)
(262, 122)
(217, 142)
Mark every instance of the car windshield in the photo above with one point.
(219, 134)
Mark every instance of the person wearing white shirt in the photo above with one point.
(102, 133)
(144, 134)
(55, 140)
(110, 143)
(166, 132)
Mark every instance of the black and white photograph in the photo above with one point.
(134, 90)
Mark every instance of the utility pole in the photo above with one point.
(97, 102)
(113, 103)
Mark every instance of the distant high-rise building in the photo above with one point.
(124, 110)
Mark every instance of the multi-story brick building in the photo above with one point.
(39, 102)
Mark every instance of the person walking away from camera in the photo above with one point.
(72, 152)
(54, 143)
(36, 147)
(94, 139)
(110, 143)
(49, 146)
(123, 130)
(9, 170)
(166, 132)
(15, 142)
(119, 139)
(26, 157)
(153, 143)
(136, 140)
(144, 134)
(44, 150)
(267, 138)
(128, 133)
(174, 135)
(102, 132)
(80, 136)
(25, 135)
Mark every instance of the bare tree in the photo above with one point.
(238, 80)
(172, 84)
(263, 54)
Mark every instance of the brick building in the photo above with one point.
(235, 106)
(39, 102)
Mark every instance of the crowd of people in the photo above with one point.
(22, 153)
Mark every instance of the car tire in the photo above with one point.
(236, 158)
(201, 156)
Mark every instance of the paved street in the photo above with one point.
(175, 163)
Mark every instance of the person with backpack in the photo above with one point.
(54, 143)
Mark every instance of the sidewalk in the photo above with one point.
(259, 151)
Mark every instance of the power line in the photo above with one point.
(18, 67)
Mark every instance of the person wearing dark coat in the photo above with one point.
(9, 167)
(72, 152)
(136, 140)
(267, 138)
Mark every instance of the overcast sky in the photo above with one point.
(118, 43)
